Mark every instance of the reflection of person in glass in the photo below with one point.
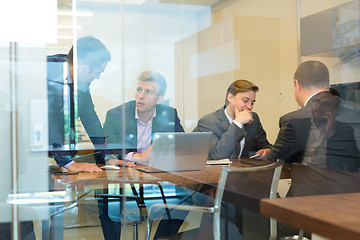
(324, 113)
(143, 117)
(311, 135)
(236, 128)
(92, 59)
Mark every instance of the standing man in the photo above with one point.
(312, 135)
(236, 128)
(143, 117)
(92, 59)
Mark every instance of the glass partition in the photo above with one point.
(110, 82)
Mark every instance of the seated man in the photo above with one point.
(143, 117)
(313, 135)
(236, 129)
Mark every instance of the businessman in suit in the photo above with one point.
(143, 118)
(92, 59)
(236, 129)
(312, 135)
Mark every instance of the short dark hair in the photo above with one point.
(156, 77)
(240, 86)
(334, 92)
(91, 52)
(312, 74)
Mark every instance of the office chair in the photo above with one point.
(138, 216)
(215, 209)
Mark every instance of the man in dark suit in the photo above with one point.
(236, 129)
(92, 59)
(312, 135)
(143, 117)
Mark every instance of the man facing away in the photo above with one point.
(236, 129)
(312, 135)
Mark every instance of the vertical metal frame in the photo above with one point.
(13, 136)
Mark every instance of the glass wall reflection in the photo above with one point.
(125, 82)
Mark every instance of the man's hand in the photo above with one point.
(83, 167)
(243, 117)
(263, 153)
(117, 162)
(142, 157)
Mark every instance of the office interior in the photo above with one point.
(199, 46)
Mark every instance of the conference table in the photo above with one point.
(334, 216)
(82, 183)
(209, 177)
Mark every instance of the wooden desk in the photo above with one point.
(209, 176)
(335, 216)
(82, 179)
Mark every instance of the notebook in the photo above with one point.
(221, 162)
(173, 152)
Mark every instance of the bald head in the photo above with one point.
(312, 75)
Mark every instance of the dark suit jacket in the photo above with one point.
(290, 145)
(226, 137)
(87, 114)
(166, 120)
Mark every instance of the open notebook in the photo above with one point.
(178, 152)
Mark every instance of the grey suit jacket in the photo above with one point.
(226, 137)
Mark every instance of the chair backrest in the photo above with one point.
(247, 182)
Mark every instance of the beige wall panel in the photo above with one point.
(258, 57)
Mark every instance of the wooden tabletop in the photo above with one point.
(335, 216)
(209, 177)
(128, 174)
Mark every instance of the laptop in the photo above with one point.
(173, 152)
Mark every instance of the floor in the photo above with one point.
(91, 229)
